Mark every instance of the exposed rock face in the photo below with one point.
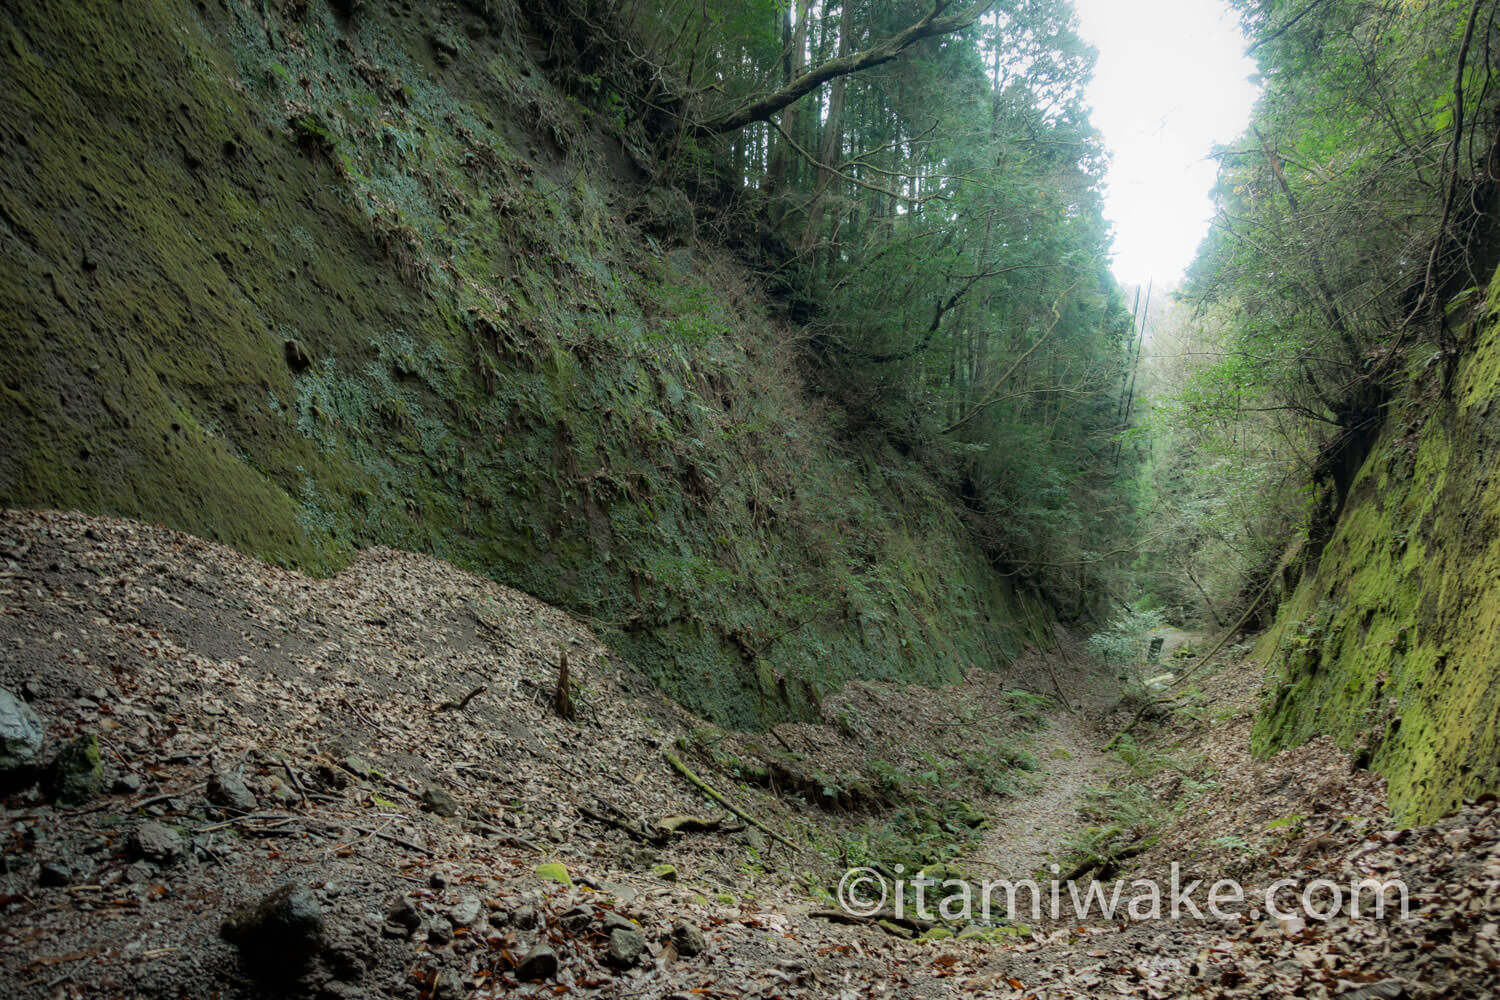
(1390, 641)
(378, 386)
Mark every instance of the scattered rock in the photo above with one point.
(403, 918)
(539, 963)
(438, 881)
(21, 734)
(465, 912)
(618, 921)
(231, 792)
(688, 939)
(625, 947)
(128, 784)
(280, 932)
(667, 873)
(439, 801)
(156, 842)
(330, 777)
(577, 919)
(552, 871)
(55, 873)
(524, 918)
(77, 773)
(279, 792)
(439, 931)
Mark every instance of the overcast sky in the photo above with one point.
(1172, 80)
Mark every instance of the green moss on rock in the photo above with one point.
(1392, 643)
(300, 286)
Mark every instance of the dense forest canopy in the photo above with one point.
(926, 184)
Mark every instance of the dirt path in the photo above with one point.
(1029, 833)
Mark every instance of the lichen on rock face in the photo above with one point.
(1392, 643)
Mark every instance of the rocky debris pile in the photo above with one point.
(282, 795)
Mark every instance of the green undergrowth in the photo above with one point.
(1391, 642)
(931, 806)
(1125, 817)
(303, 283)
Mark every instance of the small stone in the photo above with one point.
(465, 912)
(280, 932)
(279, 792)
(438, 881)
(688, 939)
(20, 734)
(539, 963)
(524, 918)
(55, 873)
(140, 872)
(404, 914)
(231, 792)
(331, 778)
(439, 801)
(157, 842)
(127, 784)
(77, 772)
(667, 873)
(439, 931)
(577, 919)
(625, 947)
(500, 919)
(618, 921)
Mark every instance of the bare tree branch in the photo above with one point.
(932, 25)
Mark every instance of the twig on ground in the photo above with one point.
(463, 702)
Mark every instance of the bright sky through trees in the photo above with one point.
(1172, 80)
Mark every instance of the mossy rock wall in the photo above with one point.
(305, 276)
(1392, 643)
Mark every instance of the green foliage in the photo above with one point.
(1122, 645)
